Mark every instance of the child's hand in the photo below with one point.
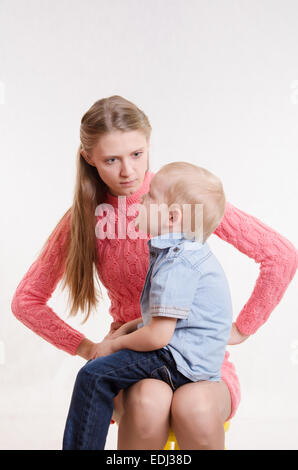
(104, 348)
(115, 326)
(123, 330)
(236, 337)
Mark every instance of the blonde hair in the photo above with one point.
(75, 231)
(192, 184)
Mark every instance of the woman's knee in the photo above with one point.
(195, 409)
(148, 404)
(149, 396)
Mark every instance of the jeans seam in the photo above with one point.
(170, 378)
(85, 414)
(120, 368)
(167, 375)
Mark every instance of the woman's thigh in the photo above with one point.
(146, 398)
(202, 399)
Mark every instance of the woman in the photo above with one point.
(113, 161)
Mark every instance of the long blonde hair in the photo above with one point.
(75, 231)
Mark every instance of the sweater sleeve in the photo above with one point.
(29, 303)
(278, 260)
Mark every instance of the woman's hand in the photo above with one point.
(236, 337)
(116, 329)
(105, 348)
(85, 348)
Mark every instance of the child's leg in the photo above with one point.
(145, 423)
(97, 383)
(198, 413)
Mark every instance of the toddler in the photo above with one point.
(185, 305)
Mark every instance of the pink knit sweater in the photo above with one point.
(123, 267)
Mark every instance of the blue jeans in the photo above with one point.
(100, 380)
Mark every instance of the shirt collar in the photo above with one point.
(167, 240)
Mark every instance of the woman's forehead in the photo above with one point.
(117, 143)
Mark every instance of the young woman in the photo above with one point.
(113, 161)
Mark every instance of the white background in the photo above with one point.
(219, 82)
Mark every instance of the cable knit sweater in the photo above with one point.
(123, 266)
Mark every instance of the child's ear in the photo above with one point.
(175, 216)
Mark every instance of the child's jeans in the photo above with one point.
(100, 380)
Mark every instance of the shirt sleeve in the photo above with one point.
(173, 286)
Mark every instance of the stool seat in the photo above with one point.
(172, 443)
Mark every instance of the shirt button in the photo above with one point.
(176, 249)
(152, 253)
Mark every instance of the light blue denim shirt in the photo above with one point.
(186, 281)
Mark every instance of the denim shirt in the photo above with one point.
(186, 281)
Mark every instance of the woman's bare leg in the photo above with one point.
(144, 418)
(118, 407)
(198, 413)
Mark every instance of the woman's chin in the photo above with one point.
(131, 188)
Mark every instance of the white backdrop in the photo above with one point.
(219, 83)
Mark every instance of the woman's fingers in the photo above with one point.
(116, 324)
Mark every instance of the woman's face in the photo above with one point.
(121, 156)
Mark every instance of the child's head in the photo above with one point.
(183, 197)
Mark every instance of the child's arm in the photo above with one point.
(167, 297)
(125, 329)
(169, 301)
(148, 338)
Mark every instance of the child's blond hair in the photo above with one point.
(191, 184)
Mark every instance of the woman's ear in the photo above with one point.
(84, 155)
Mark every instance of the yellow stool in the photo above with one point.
(172, 443)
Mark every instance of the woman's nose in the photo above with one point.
(126, 168)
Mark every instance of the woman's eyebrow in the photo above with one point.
(134, 151)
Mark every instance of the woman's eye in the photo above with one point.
(138, 153)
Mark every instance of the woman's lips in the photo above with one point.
(129, 183)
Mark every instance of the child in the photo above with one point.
(185, 304)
